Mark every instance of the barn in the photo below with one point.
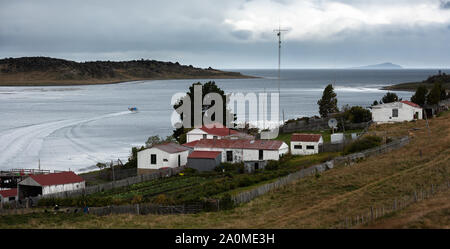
(305, 144)
(46, 184)
(8, 195)
(396, 112)
(167, 155)
(204, 160)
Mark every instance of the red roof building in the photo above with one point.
(300, 137)
(57, 178)
(48, 184)
(8, 195)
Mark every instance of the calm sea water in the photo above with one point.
(74, 127)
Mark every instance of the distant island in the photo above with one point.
(443, 78)
(45, 71)
(386, 65)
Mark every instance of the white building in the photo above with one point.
(305, 144)
(254, 153)
(46, 184)
(396, 112)
(8, 195)
(215, 133)
(168, 155)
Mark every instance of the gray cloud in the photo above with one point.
(445, 5)
(208, 33)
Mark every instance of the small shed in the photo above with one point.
(204, 160)
(305, 144)
(8, 195)
(167, 155)
(46, 184)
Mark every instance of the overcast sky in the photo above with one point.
(231, 33)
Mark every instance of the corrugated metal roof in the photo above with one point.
(8, 193)
(411, 103)
(224, 131)
(171, 147)
(302, 137)
(204, 154)
(191, 144)
(57, 178)
(239, 144)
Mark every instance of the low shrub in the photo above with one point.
(364, 143)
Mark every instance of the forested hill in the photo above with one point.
(51, 71)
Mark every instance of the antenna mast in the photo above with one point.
(279, 30)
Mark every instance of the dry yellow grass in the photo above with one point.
(312, 202)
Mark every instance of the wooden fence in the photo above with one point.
(399, 203)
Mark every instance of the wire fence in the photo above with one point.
(376, 212)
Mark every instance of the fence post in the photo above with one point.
(415, 196)
(371, 213)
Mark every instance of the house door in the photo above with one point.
(256, 166)
(179, 160)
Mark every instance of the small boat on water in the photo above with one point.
(133, 109)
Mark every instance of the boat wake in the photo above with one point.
(20, 147)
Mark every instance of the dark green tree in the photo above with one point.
(328, 102)
(436, 94)
(210, 87)
(389, 98)
(420, 97)
(375, 102)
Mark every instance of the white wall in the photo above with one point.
(303, 150)
(383, 113)
(62, 188)
(240, 155)
(144, 159)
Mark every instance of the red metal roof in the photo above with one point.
(300, 137)
(224, 131)
(204, 154)
(57, 178)
(191, 144)
(170, 147)
(8, 193)
(239, 144)
(410, 103)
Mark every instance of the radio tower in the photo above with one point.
(279, 30)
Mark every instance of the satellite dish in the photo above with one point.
(332, 123)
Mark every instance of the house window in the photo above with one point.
(165, 160)
(12, 198)
(310, 147)
(261, 155)
(297, 146)
(214, 137)
(395, 113)
(153, 159)
(229, 156)
(204, 136)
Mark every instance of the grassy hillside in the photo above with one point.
(320, 201)
(32, 71)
